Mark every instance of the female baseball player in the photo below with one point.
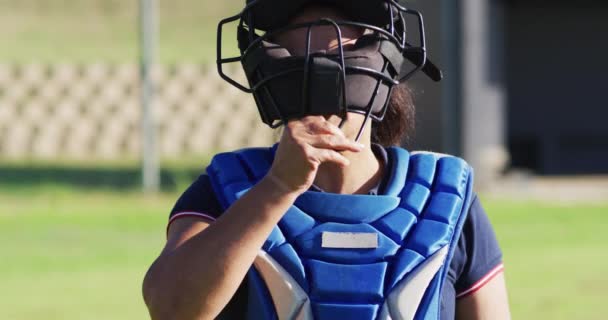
(335, 221)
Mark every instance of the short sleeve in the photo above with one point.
(477, 257)
(198, 200)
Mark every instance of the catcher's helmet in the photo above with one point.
(286, 86)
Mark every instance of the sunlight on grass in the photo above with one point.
(83, 31)
(555, 257)
(81, 254)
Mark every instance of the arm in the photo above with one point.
(175, 287)
(489, 302)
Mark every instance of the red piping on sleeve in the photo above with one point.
(481, 282)
(189, 214)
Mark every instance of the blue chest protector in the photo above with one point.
(364, 257)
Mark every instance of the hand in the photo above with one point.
(306, 144)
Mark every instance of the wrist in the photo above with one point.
(278, 188)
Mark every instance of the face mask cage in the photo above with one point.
(395, 32)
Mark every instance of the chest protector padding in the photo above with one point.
(416, 224)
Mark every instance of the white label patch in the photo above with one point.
(349, 240)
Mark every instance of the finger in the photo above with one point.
(332, 129)
(308, 119)
(310, 126)
(318, 125)
(326, 155)
(334, 142)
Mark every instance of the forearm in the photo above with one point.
(207, 269)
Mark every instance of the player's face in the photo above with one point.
(323, 38)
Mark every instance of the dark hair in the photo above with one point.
(399, 123)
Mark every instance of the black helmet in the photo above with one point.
(360, 80)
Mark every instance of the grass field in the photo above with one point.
(69, 253)
(107, 30)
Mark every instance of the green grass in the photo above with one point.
(68, 253)
(556, 257)
(107, 30)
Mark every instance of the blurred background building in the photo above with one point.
(526, 81)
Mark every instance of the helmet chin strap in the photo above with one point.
(361, 129)
(368, 112)
(360, 132)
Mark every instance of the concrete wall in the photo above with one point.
(93, 112)
(464, 115)
(428, 94)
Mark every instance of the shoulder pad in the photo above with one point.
(232, 172)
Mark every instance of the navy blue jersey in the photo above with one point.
(477, 257)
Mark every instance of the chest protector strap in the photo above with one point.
(365, 257)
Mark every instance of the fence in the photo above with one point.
(92, 112)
